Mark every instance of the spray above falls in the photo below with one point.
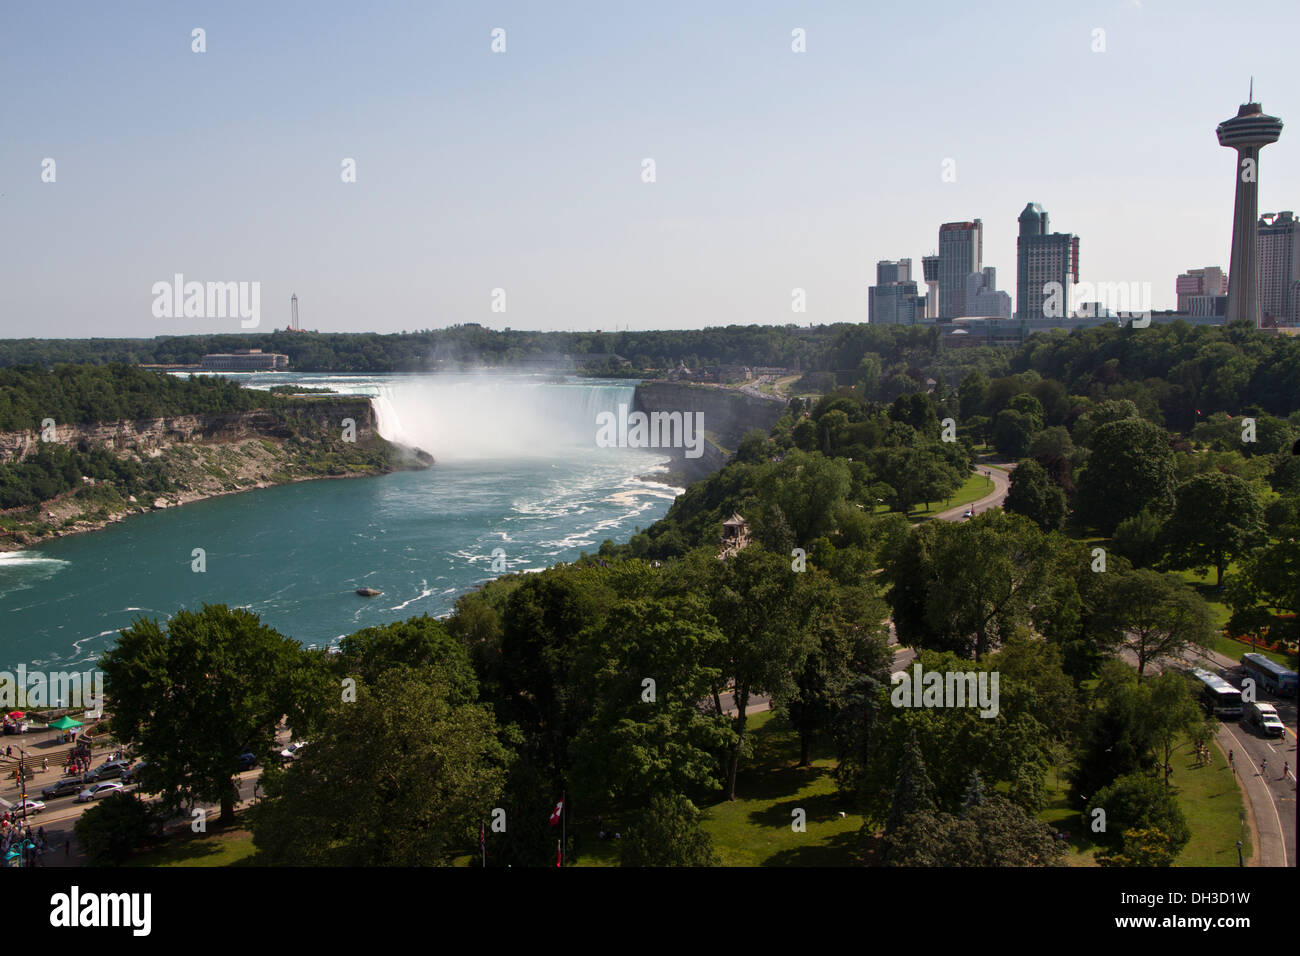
(478, 417)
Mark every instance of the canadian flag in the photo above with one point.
(559, 854)
(555, 815)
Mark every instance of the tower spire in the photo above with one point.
(1252, 90)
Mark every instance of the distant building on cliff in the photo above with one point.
(245, 360)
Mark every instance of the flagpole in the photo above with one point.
(564, 820)
(482, 842)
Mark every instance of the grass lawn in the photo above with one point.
(1210, 800)
(1212, 803)
(220, 847)
(975, 487)
(755, 829)
(1204, 585)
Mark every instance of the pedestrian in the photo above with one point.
(1263, 767)
(45, 764)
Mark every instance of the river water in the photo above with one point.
(517, 470)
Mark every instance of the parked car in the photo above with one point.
(31, 806)
(109, 770)
(247, 761)
(132, 773)
(98, 790)
(294, 750)
(969, 513)
(64, 787)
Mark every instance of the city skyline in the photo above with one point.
(775, 169)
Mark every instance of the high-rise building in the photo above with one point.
(893, 300)
(1047, 265)
(889, 271)
(1248, 132)
(1208, 281)
(1279, 268)
(982, 296)
(930, 270)
(961, 252)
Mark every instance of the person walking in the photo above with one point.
(1263, 767)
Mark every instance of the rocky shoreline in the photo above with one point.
(22, 540)
(206, 457)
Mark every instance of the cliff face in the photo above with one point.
(153, 435)
(203, 456)
(728, 415)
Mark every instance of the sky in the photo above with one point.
(525, 170)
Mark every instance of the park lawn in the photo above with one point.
(1204, 585)
(1212, 802)
(975, 487)
(755, 828)
(1060, 816)
(1208, 796)
(221, 847)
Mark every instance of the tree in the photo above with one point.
(1157, 616)
(646, 738)
(1216, 518)
(1034, 495)
(965, 587)
(402, 776)
(668, 833)
(1173, 714)
(991, 831)
(766, 614)
(1013, 431)
(1138, 801)
(190, 699)
(913, 790)
(1144, 847)
(117, 826)
(1140, 539)
(1131, 467)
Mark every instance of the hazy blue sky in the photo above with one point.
(523, 170)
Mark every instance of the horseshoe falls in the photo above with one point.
(517, 469)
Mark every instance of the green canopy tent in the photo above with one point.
(64, 723)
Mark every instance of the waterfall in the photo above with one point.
(495, 417)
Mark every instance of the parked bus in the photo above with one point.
(1218, 697)
(1269, 674)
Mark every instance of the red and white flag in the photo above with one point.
(555, 814)
(559, 854)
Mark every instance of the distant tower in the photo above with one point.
(293, 319)
(930, 269)
(1248, 132)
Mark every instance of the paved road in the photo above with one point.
(62, 813)
(1000, 476)
(1259, 761)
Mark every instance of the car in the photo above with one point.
(97, 790)
(247, 761)
(294, 750)
(132, 773)
(106, 771)
(969, 513)
(64, 787)
(28, 806)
